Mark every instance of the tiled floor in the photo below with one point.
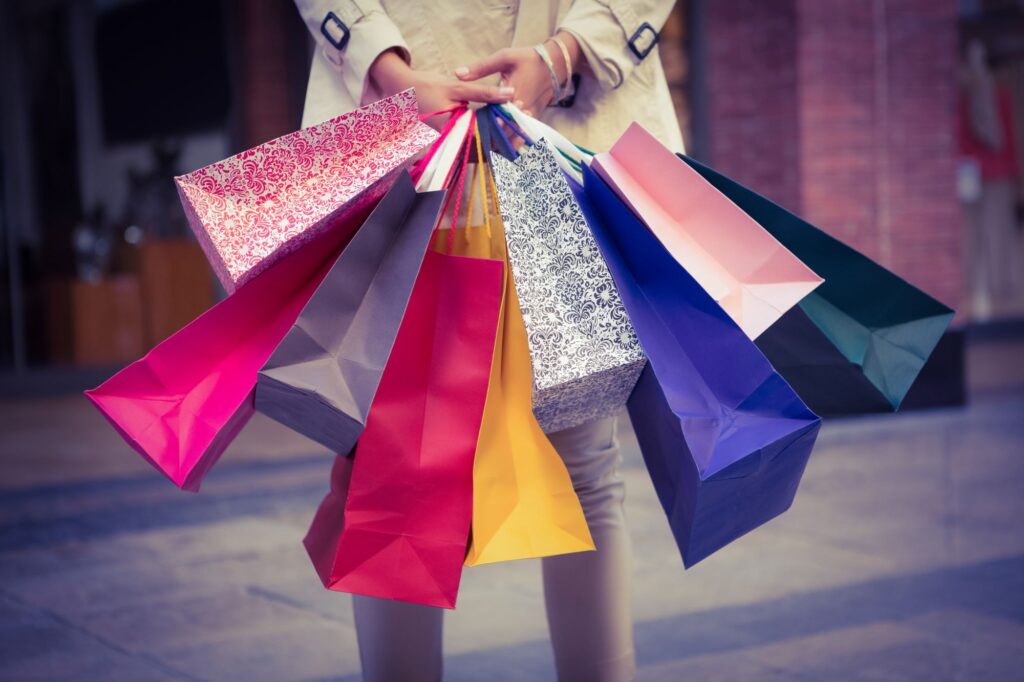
(902, 559)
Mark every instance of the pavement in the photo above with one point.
(902, 559)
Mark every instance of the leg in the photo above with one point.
(1001, 224)
(588, 594)
(398, 641)
(977, 267)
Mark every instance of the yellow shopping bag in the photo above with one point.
(524, 505)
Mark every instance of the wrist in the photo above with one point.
(390, 73)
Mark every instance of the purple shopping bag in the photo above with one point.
(724, 437)
(323, 376)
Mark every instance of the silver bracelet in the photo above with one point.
(568, 65)
(556, 89)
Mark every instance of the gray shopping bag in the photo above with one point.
(321, 379)
(585, 356)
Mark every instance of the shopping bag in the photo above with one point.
(254, 208)
(407, 517)
(409, 505)
(184, 402)
(745, 269)
(321, 540)
(524, 505)
(583, 351)
(570, 157)
(321, 379)
(724, 437)
(856, 343)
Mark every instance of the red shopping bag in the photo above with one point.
(321, 540)
(406, 522)
(405, 527)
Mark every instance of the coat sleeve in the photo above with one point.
(604, 29)
(371, 32)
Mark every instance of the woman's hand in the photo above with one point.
(434, 92)
(525, 72)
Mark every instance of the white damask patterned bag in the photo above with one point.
(586, 358)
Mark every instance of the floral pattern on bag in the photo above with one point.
(250, 210)
(586, 357)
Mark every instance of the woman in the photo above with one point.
(530, 52)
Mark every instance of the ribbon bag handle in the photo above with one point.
(481, 173)
(433, 171)
(484, 169)
(421, 165)
(460, 186)
(439, 112)
(570, 158)
(502, 116)
(538, 129)
(493, 135)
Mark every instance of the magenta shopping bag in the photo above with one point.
(186, 400)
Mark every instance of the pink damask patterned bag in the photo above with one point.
(250, 210)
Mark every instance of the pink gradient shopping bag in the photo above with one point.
(252, 209)
(753, 277)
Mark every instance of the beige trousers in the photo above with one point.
(587, 594)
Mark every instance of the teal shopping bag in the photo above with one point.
(858, 341)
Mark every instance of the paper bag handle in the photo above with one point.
(425, 170)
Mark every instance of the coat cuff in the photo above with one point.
(603, 30)
(371, 35)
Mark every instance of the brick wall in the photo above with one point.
(271, 67)
(753, 108)
(845, 111)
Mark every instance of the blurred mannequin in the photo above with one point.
(987, 140)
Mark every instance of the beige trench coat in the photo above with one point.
(616, 87)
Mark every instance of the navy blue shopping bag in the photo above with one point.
(724, 437)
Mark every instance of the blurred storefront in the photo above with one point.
(846, 112)
(103, 102)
